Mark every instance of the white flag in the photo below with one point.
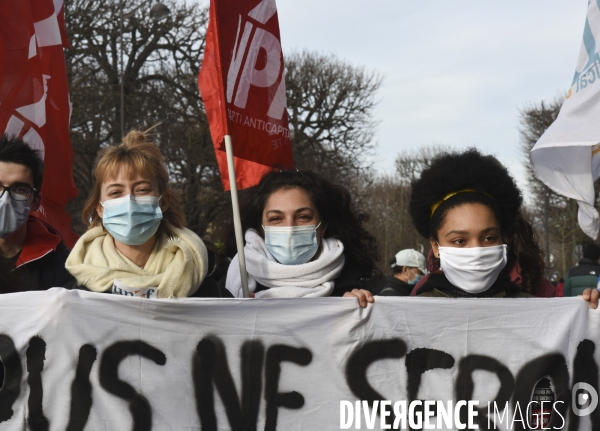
(567, 156)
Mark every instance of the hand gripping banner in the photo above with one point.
(34, 97)
(567, 156)
(242, 84)
(82, 361)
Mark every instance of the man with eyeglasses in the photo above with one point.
(33, 249)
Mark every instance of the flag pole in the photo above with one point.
(237, 222)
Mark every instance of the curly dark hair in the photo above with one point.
(484, 176)
(15, 150)
(335, 207)
(523, 247)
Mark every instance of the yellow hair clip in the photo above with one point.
(448, 196)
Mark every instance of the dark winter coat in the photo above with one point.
(581, 277)
(437, 285)
(41, 262)
(395, 287)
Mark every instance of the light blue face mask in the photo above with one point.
(132, 220)
(415, 280)
(292, 245)
(13, 214)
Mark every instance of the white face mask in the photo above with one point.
(13, 214)
(473, 269)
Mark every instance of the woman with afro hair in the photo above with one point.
(469, 207)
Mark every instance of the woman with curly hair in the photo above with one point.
(137, 243)
(304, 239)
(467, 205)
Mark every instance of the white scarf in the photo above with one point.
(308, 280)
(177, 264)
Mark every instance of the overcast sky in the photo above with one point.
(456, 72)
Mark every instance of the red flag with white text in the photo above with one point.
(34, 97)
(242, 84)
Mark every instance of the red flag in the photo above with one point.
(34, 97)
(243, 88)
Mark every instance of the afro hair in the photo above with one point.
(458, 171)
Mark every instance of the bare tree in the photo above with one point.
(553, 215)
(389, 222)
(330, 102)
(410, 164)
(387, 197)
(330, 105)
(160, 86)
(534, 120)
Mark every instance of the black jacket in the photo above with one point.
(352, 277)
(586, 267)
(437, 285)
(43, 273)
(395, 287)
(40, 264)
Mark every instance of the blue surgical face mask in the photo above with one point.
(132, 220)
(415, 280)
(292, 245)
(13, 214)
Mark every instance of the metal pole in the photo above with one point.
(547, 230)
(237, 222)
(122, 75)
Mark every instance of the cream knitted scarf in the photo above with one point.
(177, 265)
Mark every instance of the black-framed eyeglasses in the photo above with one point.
(18, 193)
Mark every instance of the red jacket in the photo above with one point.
(41, 263)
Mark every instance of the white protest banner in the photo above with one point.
(566, 158)
(86, 361)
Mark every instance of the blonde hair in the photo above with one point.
(136, 155)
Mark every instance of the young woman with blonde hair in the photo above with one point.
(137, 244)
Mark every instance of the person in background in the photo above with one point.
(304, 239)
(585, 274)
(33, 248)
(560, 287)
(137, 244)
(408, 267)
